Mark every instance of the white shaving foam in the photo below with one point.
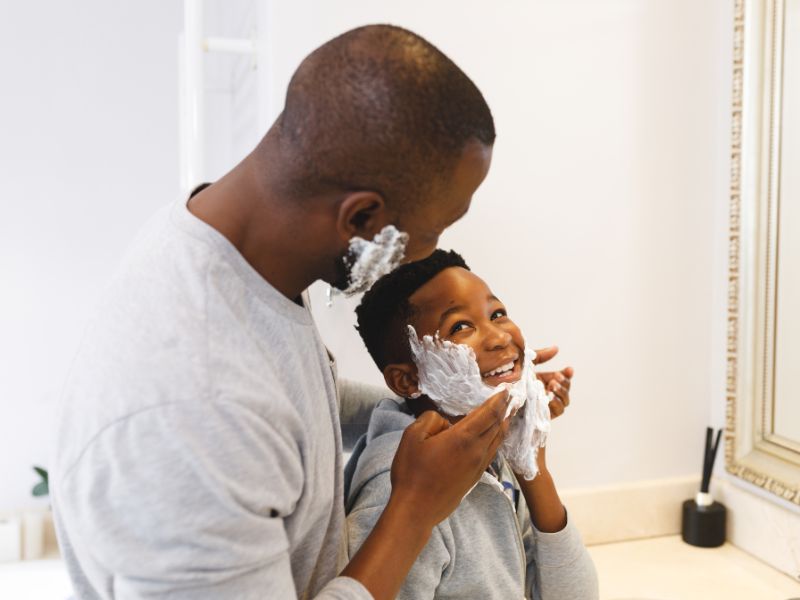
(449, 375)
(368, 261)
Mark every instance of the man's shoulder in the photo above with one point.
(172, 431)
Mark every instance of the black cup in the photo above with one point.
(703, 526)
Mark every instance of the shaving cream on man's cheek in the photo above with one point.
(368, 261)
(449, 375)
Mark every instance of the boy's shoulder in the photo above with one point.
(391, 414)
(374, 452)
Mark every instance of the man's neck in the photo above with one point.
(259, 226)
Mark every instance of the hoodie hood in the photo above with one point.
(374, 452)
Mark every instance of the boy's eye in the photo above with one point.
(500, 312)
(460, 326)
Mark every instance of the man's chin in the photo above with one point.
(340, 285)
(341, 280)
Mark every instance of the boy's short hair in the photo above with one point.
(385, 309)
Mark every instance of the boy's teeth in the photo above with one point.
(502, 369)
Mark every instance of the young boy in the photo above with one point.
(509, 538)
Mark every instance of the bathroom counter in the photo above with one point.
(661, 568)
(45, 579)
(665, 568)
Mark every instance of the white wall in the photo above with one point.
(601, 220)
(88, 150)
(602, 223)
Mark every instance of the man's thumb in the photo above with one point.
(429, 424)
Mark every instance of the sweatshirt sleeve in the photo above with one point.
(181, 502)
(425, 575)
(559, 566)
(356, 402)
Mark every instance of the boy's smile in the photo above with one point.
(461, 307)
(509, 372)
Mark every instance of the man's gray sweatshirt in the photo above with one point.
(487, 549)
(198, 452)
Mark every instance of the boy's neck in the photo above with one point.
(422, 404)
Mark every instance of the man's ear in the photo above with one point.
(361, 214)
(402, 379)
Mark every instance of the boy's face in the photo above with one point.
(461, 307)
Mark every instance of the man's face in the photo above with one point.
(432, 216)
(461, 307)
(426, 221)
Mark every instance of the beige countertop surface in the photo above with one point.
(662, 568)
(666, 568)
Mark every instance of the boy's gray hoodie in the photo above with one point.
(488, 548)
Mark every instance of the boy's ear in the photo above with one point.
(402, 379)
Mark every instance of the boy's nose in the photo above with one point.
(497, 338)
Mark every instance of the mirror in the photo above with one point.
(786, 424)
(763, 420)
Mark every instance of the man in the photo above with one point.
(199, 450)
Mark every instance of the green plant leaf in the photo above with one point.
(41, 489)
(42, 472)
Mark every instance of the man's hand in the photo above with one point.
(435, 466)
(557, 382)
(437, 463)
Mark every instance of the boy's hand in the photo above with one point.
(541, 496)
(437, 463)
(557, 382)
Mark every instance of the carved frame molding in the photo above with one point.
(750, 314)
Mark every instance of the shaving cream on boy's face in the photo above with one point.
(449, 375)
(368, 261)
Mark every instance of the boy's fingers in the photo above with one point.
(545, 376)
(564, 382)
(545, 354)
(559, 391)
(556, 407)
(487, 418)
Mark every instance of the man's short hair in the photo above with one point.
(379, 108)
(385, 309)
